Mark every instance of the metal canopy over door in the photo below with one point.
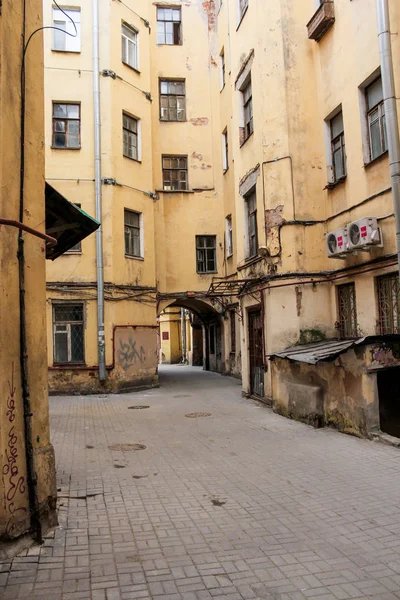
(256, 353)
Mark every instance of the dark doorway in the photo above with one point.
(256, 353)
(389, 401)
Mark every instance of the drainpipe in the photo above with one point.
(183, 332)
(392, 125)
(97, 176)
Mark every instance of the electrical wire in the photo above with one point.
(145, 21)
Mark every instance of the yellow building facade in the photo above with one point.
(28, 488)
(237, 137)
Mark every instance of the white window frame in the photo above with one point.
(222, 69)
(241, 9)
(139, 256)
(229, 236)
(365, 134)
(67, 326)
(72, 38)
(126, 41)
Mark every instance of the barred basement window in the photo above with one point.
(175, 173)
(172, 100)
(389, 304)
(68, 333)
(347, 310)
(206, 251)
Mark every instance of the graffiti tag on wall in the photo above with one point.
(128, 354)
(14, 482)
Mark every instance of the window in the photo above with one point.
(66, 125)
(165, 335)
(252, 237)
(68, 336)
(338, 147)
(169, 26)
(69, 39)
(243, 4)
(129, 40)
(175, 173)
(132, 227)
(225, 151)
(232, 316)
(130, 136)
(389, 304)
(206, 253)
(247, 110)
(77, 249)
(172, 100)
(347, 310)
(229, 239)
(222, 68)
(376, 118)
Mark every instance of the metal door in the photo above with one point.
(256, 353)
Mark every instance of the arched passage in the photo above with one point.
(203, 343)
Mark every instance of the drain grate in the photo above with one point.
(127, 447)
(138, 407)
(197, 414)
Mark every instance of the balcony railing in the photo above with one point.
(321, 21)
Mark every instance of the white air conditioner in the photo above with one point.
(363, 234)
(336, 243)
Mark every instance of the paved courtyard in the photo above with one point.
(238, 505)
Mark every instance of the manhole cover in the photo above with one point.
(198, 414)
(127, 447)
(138, 407)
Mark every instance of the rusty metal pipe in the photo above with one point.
(50, 240)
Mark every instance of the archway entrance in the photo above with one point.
(191, 332)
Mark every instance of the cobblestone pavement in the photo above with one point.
(241, 504)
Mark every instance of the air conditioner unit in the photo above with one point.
(336, 243)
(363, 234)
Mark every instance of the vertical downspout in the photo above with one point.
(97, 176)
(389, 95)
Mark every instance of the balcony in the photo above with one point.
(322, 21)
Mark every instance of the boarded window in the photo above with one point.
(68, 333)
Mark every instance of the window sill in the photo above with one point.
(172, 120)
(331, 185)
(244, 141)
(206, 272)
(70, 365)
(65, 148)
(242, 17)
(66, 51)
(72, 252)
(376, 159)
(134, 257)
(174, 191)
(131, 67)
(170, 45)
(131, 158)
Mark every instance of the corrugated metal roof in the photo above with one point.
(318, 351)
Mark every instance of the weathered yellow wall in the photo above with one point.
(14, 505)
(171, 349)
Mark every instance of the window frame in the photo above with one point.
(134, 31)
(67, 324)
(248, 125)
(222, 69)
(69, 29)
(225, 150)
(339, 138)
(345, 331)
(136, 158)
(229, 236)
(251, 237)
(204, 249)
(161, 81)
(66, 120)
(378, 107)
(179, 33)
(173, 169)
(139, 236)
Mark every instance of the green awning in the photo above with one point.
(66, 222)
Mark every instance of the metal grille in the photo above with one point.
(388, 304)
(256, 354)
(68, 333)
(347, 311)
